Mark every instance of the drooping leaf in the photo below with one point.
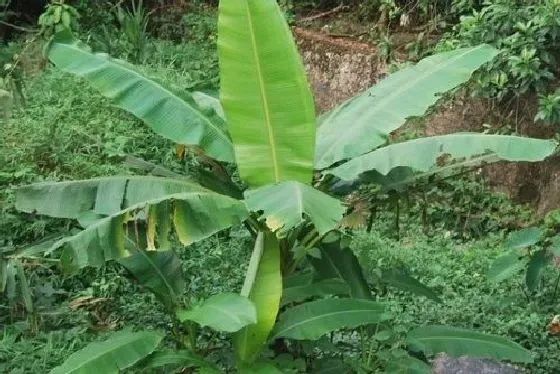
(426, 154)
(197, 215)
(286, 205)
(264, 289)
(339, 261)
(524, 238)
(175, 358)
(537, 264)
(506, 266)
(401, 280)
(386, 106)
(460, 342)
(325, 287)
(311, 320)
(121, 351)
(223, 312)
(176, 117)
(265, 94)
(160, 272)
(104, 196)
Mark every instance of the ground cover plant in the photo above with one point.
(297, 250)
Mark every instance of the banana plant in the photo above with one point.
(265, 125)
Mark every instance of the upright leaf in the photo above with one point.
(223, 312)
(160, 272)
(428, 154)
(176, 117)
(265, 94)
(385, 107)
(287, 204)
(264, 289)
(535, 268)
(460, 342)
(311, 320)
(119, 352)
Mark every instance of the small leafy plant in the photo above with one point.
(269, 167)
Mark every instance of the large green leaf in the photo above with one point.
(506, 266)
(424, 154)
(460, 342)
(311, 320)
(263, 286)
(265, 94)
(364, 122)
(121, 351)
(287, 204)
(524, 238)
(223, 312)
(196, 216)
(339, 261)
(401, 280)
(176, 117)
(160, 272)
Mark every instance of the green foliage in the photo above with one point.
(310, 321)
(527, 33)
(121, 351)
(270, 115)
(224, 312)
(58, 17)
(134, 24)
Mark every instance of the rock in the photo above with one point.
(471, 365)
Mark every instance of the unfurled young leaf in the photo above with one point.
(311, 320)
(263, 286)
(223, 312)
(460, 342)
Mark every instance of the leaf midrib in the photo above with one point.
(323, 316)
(264, 97)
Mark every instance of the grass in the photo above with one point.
(67, 131)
